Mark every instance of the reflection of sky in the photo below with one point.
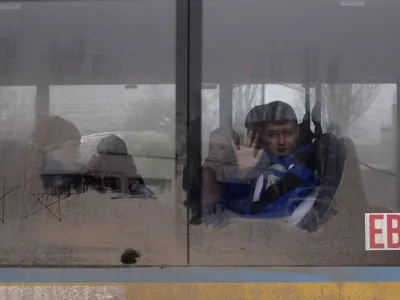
(107, 107)
(367, 129)
(294, 96)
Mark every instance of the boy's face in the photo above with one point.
(219, 148)
(280, 137)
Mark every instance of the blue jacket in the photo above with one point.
(285, 184)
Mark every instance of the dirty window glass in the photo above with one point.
(305, 146)
(87, 129)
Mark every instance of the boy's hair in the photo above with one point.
(276, 111)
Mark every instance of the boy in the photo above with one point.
(277, 191)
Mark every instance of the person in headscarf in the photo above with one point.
(58, 143)
(221, 156)
(218, 167)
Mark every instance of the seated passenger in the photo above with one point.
(59, 142)
(219, 166)
(277, 191)
(113, 168)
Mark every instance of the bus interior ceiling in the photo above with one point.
(276, 41)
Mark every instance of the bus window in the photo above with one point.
(91, 103)
(305, 148)
(370, 123)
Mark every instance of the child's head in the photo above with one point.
(112, 145)
(113, 157)
(220, 145)
(276, 124)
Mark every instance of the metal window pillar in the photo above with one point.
(188, 99)
(225, 105)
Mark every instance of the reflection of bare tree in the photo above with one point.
(298, 100)
(245, 97)
(346, 103)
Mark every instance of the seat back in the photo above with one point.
(331, 156)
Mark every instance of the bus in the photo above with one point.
(113, 185)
